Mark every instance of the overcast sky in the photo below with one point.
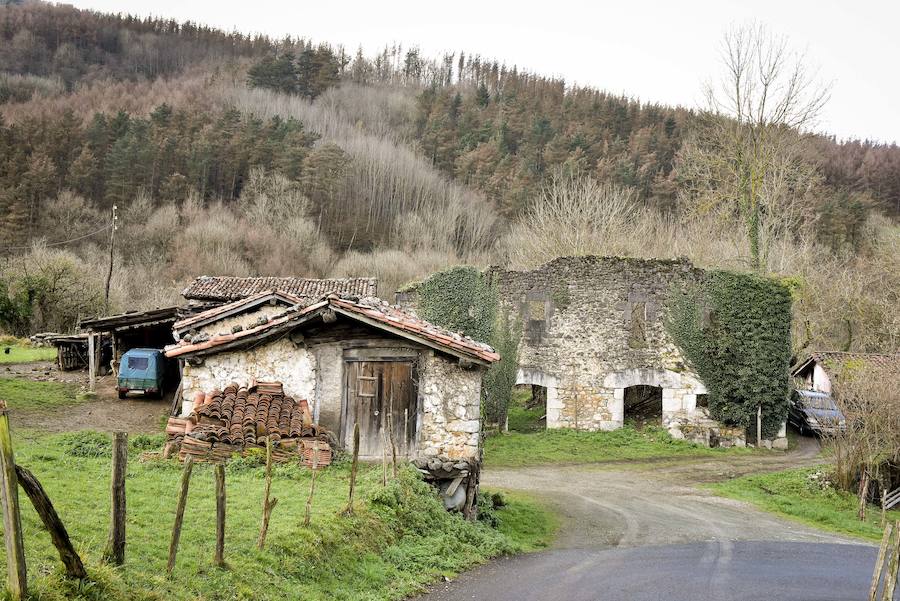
(654, 50)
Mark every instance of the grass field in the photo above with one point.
(797, 494)
(21, 353)
(568, 446)
(399, 539)
(29, 394)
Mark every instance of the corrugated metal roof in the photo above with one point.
(229, 288)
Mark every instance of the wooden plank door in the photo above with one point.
(378, 391)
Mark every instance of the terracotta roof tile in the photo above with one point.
(228, 288)
(371, 308)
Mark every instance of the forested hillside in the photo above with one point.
(235, 154)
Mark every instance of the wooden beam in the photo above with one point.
(219, 559)
(92, 361)
(179, 512)
(44, 508)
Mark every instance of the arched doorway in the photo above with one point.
(643, 405)
(539, 393)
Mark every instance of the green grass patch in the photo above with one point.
(805, 495)
(522, 419)
(515, 449)
(21, 353)
(29, 394)
(399, 539)
(525, 521)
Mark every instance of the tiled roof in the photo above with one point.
(370, 310)
(236, 306)
(835, 360)
(228, 288)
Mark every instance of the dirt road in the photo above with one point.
(105, 413)
(659, 503)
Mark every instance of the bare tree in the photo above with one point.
(748, 158)
(575, 216)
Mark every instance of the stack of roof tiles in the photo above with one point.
(232, 420)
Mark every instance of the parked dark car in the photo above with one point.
(815, 412)
(142, 370)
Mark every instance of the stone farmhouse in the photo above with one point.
(355, 360)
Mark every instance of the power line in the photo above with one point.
(61, 242)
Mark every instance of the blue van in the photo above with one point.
(142, 370)
(815, 412)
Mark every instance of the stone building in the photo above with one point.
(595, 349)
(355, 360)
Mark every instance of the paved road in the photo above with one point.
(649, 531)
(740, 571)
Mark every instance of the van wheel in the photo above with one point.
(122, 394)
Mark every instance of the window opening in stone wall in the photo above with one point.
(702, 401)
(536, 326)
(637, 335)
(528, 408)
(643, 405)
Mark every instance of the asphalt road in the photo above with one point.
(723, 571)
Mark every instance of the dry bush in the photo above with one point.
(868, 396)
(392, 267)
(69, 216)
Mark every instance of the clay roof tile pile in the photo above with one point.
(228, 288)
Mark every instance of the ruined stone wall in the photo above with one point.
(593, 326)
(451, 409)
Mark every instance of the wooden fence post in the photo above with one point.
(12, 524)
(220, 515)
(879, 564)
(92, 362)
(893, 567)
(115, 545)
(59, 535)
(354, 466)
(268, 505)
(179, 512)
(312, 484)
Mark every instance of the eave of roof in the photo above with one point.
(130, 320)
(216, 313)
(392, 320)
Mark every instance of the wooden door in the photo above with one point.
(381, 397)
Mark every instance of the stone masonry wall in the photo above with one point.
(451, 409)
(593, 326)
(281, 361)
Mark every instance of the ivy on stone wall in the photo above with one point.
(734, 328)
(461, 299)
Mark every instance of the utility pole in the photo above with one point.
(112, 241)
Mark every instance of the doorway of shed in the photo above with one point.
(643, 405)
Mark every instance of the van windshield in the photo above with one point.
(820, 402)
(138, 363)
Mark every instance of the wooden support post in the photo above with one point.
(893, 567)
(879, 564)
(12, 524)
(312, 484)
(863, 494)
(759, 427)
(44, 508)
(220, 516)
(354, 466)
(179, 512)
(115, 545)
(384, 445)
(390, 420)
(268, 505)
(92, 361)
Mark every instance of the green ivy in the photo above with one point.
(734, 328)
(462, 300)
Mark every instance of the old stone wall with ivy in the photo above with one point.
(735, 329)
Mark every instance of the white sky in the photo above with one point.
(654, 50)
